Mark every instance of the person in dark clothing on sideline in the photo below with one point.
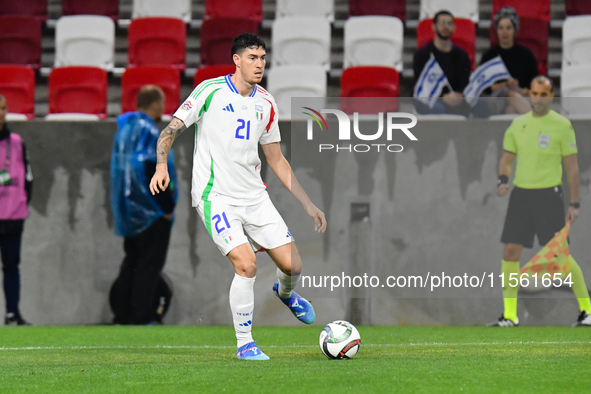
(16, 183)
(143, 219)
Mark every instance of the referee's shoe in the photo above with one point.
(502, 322)
(584, 320)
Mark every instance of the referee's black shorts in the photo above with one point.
(531, 212)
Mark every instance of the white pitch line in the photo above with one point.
(122, 347)
(498, 343)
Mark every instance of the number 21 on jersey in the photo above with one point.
(241, 133)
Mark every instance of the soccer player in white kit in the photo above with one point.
(232, 115)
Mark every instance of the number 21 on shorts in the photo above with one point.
(217, 219)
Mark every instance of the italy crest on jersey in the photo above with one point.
(259, 112)
(543, 141)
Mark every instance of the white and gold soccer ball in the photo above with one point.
(339, 340)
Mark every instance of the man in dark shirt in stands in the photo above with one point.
(454, 62)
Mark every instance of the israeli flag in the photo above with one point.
(430, 83)
(483, 77)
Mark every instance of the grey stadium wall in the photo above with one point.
(434, 201)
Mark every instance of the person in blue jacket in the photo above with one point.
(144, 220)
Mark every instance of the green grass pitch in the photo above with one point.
(182, 359)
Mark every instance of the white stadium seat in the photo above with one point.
(461, 9)
(10, 117)
(170, 8)
(295, 81)
(575, 89)
(440, 117)
(503, 117)
(373, 41)
(85, 40)
(291, 8)
(301, 40)
(576, 41)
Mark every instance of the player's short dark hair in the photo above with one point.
(440, 13)
(2, 97)
(542, 79)
(147, 95)
(246, 40)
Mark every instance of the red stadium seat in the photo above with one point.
(243, 9)
(108, 8)
(207, 72)
(17, 84)
(217, 36)
(525, 8)
(533, 33)
(577, 7)
(369, 81)
(167, 78)
(395, 8)
(20, 40)
(78, 89)
(36, 8)
(464, 36)
(157, 42)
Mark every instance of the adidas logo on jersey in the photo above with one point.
(229, 108)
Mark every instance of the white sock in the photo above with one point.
(286, 283)
(242, 306)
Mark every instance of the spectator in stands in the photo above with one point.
(16, 182)
(456, 66)
(144, 220)
(520, 62)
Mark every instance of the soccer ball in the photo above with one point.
(339, 339)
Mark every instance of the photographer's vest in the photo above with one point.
(13, 197)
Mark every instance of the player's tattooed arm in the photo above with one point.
(161, 178)
(167, 137)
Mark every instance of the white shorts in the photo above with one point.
(232, 225)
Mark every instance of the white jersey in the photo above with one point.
(228, 128)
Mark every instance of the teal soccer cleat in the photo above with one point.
(250, 351)
(298, 305)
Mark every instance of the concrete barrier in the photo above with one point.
(433, 206)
